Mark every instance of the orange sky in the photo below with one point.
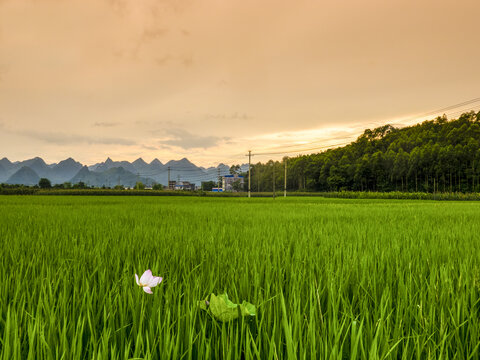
(210, 79)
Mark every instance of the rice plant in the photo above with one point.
(330, 278)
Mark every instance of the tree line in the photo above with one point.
(439, 155)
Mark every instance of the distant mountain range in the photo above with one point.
(108, 173)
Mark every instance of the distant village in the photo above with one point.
(229, 183)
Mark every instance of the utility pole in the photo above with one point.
(218, 173)
(285, 181)
(249, 170)
(274, 180)
(168, 185)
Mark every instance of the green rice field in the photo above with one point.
(330, 278)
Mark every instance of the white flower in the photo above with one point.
(148, 281)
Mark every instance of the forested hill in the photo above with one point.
(439, 155)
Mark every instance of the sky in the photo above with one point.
(210, 80)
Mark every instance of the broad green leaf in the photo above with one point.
(223, 309)
(247, 308)
(202, 304)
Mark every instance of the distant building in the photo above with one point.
(183, 185)
(171, 184)
(228, 180)
(217, 189)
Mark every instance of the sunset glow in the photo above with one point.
(209, 80)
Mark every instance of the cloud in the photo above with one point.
(155, 127)
(148, 35)
(153, 33)
(163, 60)
(69, 139)
(106, 124)
(185, 60)
(232, 116)
(152, 7)
(186, 140)
(118, 6)
(118, 54)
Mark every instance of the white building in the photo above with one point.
(228, 180)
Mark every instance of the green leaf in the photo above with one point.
(202, 304)
(247, 309)
(223, 309)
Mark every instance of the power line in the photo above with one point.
(442, 111)
(462, 112)
(468, 102)
(450, 115)
(420, 116)
(201, 177)
(302, 150)
(205, 178)
(347, 143)
(203, 172)
(194, 174)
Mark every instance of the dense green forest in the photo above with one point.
(435, 156)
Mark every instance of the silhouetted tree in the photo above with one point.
(208, 185)
(437, 155)
(157, 187)
(44, 183)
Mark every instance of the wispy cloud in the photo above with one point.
(148, 35)
(156, 127)
(186, 140)
(153, 7)
(69, 139)
(148, 147)
(118, 54)
(118, 6)
(153, 33)
(187, 60)
(105, 124)
(228, 116)
(164, 60)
